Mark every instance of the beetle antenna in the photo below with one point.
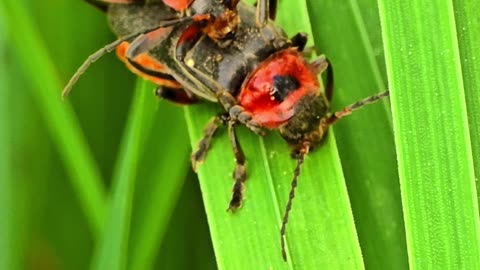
(300, 158)
(90, 60)
(110, 47)
(355, 106)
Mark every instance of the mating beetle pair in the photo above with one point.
(233, 54)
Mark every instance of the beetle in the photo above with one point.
(235, 55)
(197, 57)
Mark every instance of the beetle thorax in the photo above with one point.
(279, 89)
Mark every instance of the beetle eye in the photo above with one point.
(284, 85)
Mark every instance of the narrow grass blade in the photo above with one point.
(432, 134)
(113, 245)
(182, 240)
(347, 33)
(15, 193)
(164, 168)
(468, 35)
(321, 230)
(9, 238)
(58, 115)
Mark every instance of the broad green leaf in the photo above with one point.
(432, 134)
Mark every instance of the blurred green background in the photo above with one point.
(41, 212)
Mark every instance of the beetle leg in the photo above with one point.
(204, 144)
(237, 112)
(176, 95)
(308, 52)
(266, 9)
(299, 41)
(272, 9)
(320, 65)
(355, 106)
(239, 174)
(329, 82)
(226, 100)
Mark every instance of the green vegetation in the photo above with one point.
(102, 180)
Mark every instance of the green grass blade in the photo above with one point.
(9, 251)
(321, 230)
(468, 34)
(158, 188)
(113, 245)
(348, 33)
(58, 115)
(432, 134)
(181, 240)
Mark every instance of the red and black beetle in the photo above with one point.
(227, 52)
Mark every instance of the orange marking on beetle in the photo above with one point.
(189, 33)
(148, 62)
(178, 5)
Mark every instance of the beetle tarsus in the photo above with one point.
(179, 96)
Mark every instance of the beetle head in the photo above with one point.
(308, 124)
